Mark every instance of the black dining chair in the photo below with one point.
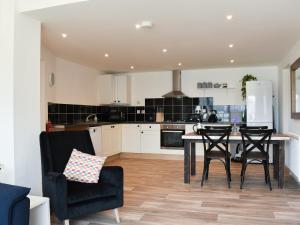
(216, 149)
(256, 139)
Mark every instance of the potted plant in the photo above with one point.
(247, 77)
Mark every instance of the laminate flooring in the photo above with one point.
(155, 194)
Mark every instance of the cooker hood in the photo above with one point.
(176, 92)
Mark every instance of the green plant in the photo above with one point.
(247, 77)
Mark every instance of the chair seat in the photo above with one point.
(257, 155)
(215, 154)
(80, 192)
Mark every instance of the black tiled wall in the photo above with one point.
(175, 109)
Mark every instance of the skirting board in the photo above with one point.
(154, 156)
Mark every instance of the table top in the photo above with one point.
(37, 200)
(236, 136)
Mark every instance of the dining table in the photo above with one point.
(278, 141)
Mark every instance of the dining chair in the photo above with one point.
(256, 139)
(216, 149)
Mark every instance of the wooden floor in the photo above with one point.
(155, 194)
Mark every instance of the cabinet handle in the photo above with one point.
(142, 132)
(115, 101)
(138, 125)
(118, 101)
(149, 126)
(112, 126)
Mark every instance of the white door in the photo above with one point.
(95, 133)
(107, 140)
(131, 138)
(117, 139)
(150, 141)
(121, 89)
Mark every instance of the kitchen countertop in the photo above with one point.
(95, 124)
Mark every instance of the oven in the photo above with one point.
(170, 136)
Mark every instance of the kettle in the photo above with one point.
(197, 127)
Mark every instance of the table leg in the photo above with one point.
(187, 161)
(275, 160)
(193, 158)
(281, 162)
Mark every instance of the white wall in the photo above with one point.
(6, 90)
(287, 124)
(27, 103)
(74, 83)
(20, 98)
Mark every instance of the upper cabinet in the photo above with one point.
(114, 89)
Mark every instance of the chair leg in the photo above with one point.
(268, 175)
(204, 172)
(227, 169)
(243, 174)
(116, 214)
(66, 222)
(265, 169)
(207, 169)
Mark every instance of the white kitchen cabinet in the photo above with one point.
(114, 89)
(150, 138)
(131, 139)
(111, 139)
(121, 95)
(96, 137)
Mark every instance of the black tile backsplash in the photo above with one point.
(175, 109)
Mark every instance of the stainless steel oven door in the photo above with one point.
(172, 138)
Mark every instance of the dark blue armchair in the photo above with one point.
(70, 199)
(14, 205)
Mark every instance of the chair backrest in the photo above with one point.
(56, 148)
(222, 134)
(253, 127)
(256, 139)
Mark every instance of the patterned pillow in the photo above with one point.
(84, 168)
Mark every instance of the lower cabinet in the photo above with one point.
(111, 139)
(143, 138)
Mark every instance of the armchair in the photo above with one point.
(14, 205)
(69, 199)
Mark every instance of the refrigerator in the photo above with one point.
(259, 100)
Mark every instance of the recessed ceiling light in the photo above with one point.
(132, 67)
(164, 50)
(229, 17)
(106, 55)
(232, 61)
(231, 45)
(137, 26)
(64, 35)
(179, 64)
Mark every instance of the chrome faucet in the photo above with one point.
(89, 116)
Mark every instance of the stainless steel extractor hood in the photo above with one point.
(176, 92)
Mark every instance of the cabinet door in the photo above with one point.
(150, 141)
(117, 139)
(121, 89)
(131, 138)
(96, 136)
(107, 140)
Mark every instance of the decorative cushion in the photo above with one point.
(84, 168)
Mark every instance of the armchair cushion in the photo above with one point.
(80, 192)
(10, 199)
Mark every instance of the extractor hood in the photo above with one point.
(176, 92)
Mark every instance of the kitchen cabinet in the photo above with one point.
(114, 89)
(96, 137)
(131, 138)
(111, 139)
(143, 138)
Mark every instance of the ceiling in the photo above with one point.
(195, 33)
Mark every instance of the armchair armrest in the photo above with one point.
(55, 187)
(112, 175)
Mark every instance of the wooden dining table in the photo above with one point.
(277, 140)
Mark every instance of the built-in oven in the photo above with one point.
(171, 136)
